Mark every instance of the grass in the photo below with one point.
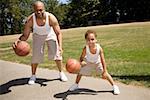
(126, 48)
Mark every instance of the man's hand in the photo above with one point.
(61, 50)
(14, 45)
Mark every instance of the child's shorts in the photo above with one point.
(38, 49)
(90, 68)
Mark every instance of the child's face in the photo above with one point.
(91, 40)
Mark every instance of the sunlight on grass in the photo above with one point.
(126, 49)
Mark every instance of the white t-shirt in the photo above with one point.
(93, 58)
(44, 30)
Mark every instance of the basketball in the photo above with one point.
(22, 48)
(73, 66)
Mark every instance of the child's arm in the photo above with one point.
(103, 59)
(83, 56)
(103, 63)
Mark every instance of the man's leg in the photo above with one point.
(59, 65)
(33, 68)
(61, 73)
(37, 54)
(54, 53)
(33, 77)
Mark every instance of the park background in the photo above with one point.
(74, 13)
(122, 26)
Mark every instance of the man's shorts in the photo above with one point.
(91, 68)
(38, 49)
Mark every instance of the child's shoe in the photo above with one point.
(73, 87)
(116, 90)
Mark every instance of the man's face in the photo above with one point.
(39, 10)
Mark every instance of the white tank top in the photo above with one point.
(93, 58)
(44, 30)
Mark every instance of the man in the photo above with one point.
(45, 28)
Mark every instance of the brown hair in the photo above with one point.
(90, 32)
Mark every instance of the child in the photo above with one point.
(92, 58)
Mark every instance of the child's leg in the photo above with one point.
(109, 78)
(78, 78)
(75, 86)
(116, 90)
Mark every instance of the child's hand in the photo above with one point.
(104, 75)
(83, 63)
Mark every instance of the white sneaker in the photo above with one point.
(63, 77)
(116, 90)
(73, 87)
(32, 80)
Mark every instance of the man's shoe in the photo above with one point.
(63, 77)
(32, 80)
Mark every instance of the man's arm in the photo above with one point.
(27, 29)
(54, 23)
(26, 32)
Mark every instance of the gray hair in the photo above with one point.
(38, 2)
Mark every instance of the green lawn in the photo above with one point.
(126, 48)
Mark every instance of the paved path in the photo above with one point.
(14, 77)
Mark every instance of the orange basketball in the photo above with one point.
(73, 66)
(22, 48)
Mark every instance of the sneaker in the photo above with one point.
(73, 87)
(32, 80)
(116, 90)
(63, 77)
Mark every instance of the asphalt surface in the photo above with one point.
(14, 78)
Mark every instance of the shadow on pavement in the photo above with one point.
(5, 88)
(134, 77)
(81, 91)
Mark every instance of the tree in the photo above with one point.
(12, 15)
(82, 11)
(74, 13)
(58, 9)
(14, 12)
(129, 10)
